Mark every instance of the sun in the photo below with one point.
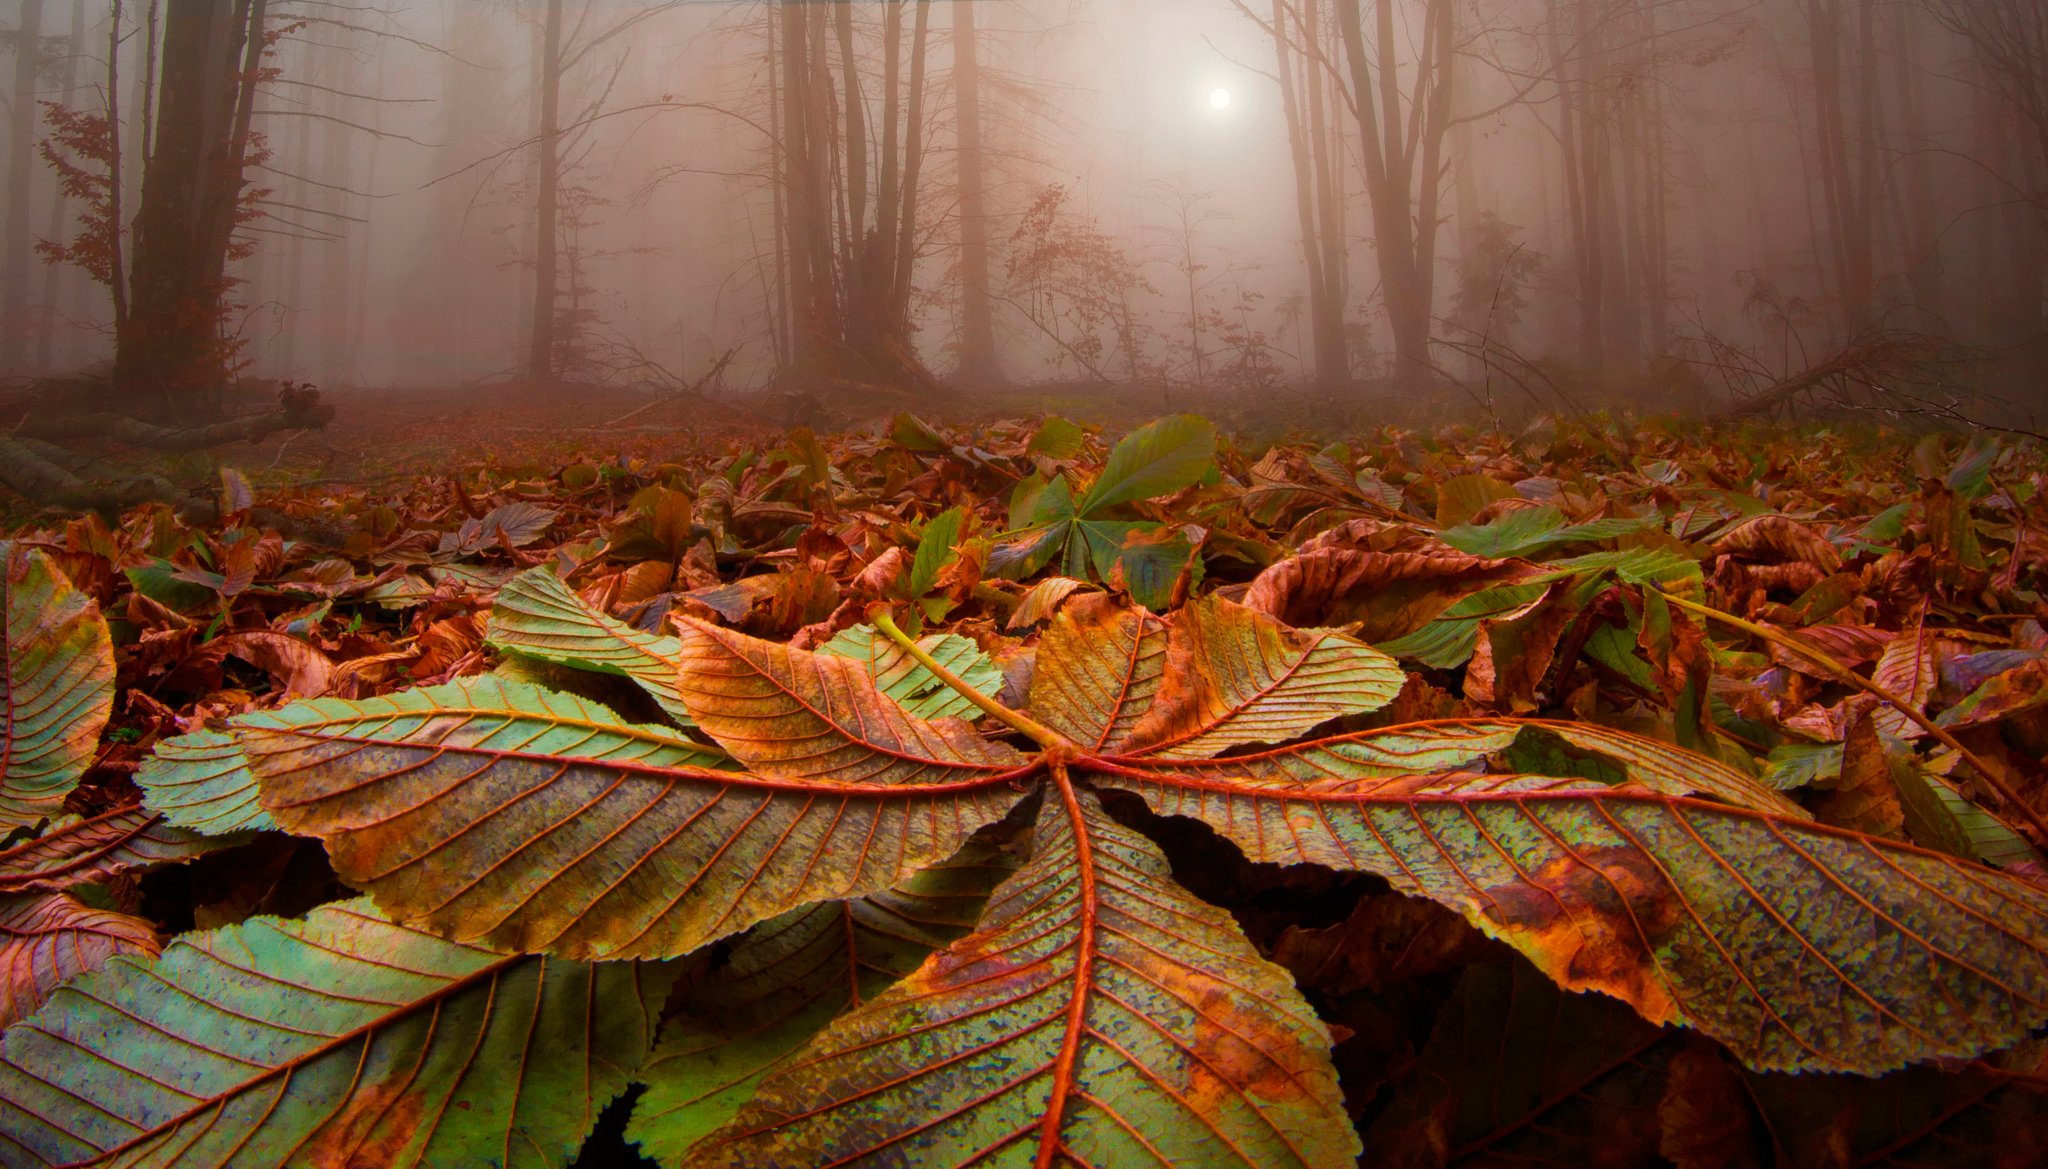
(1220, 99)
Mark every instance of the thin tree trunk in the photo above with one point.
(337, 167)
(46, 329)
(1579, 193)
(856, 162)
(1329, 352)
(880, 261)
(15, 323)
(117, 278)
(540, 358)
(913, 163)
(1390, 150)
(978, 361)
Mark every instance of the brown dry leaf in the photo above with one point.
(1387, 939)
(1043, 600)
(1390, 595)
(48, 938)
(1778, 538)
(296, 668)
(1910, 668)
(1864, 797)
(1705, 1113)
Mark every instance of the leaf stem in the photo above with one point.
(1039, 733)
(1843, 673)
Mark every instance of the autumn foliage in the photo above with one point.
(1018, 796)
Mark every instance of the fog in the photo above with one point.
(1648, 203)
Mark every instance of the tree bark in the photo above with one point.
(171, 359)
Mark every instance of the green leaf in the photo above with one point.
(1528, 531)
(1510, 534)
(1938, 816)
(1154, 460)
(1887, 525)
(201, 781)
(1637, 566)
(58, 689)
(935, 550)
(339, 1039)
(1450, 639)
(1795, 765)
(1151, 568)
(1460, 498)
(539, 616)
(915, 434)
(784, 982)
(158, 581)
(917, 690)
(1057, 439)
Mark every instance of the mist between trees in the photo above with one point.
(1708, 205)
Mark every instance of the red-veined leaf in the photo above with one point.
(1099, 665)
(795, 715)
(49, 938)
(120, 841)
(201, 781)
(535, 821)
(1801, 947)
(1101, 1016)
(539, 616)
(1236, 676)
(1910, 667)
(58, 688)
(785, 981)
(1422, 748)
(341, 1039)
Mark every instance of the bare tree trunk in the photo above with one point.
(1847, 188)
(116, 189)
(1403, 166)
(1580, 194)
(1318, 181)
(978, 362)
(170, 356)
(913, 164)
(15, 321)
(778, 118)
(46, 329)
(856, 161)
(1919, 230)
(540, 357)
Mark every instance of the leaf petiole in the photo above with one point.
(1781, 638)
(1038, 732)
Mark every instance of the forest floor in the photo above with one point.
(1787, 637)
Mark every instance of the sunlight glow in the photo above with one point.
(1220, 99)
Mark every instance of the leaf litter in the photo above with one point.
(1021, 792)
